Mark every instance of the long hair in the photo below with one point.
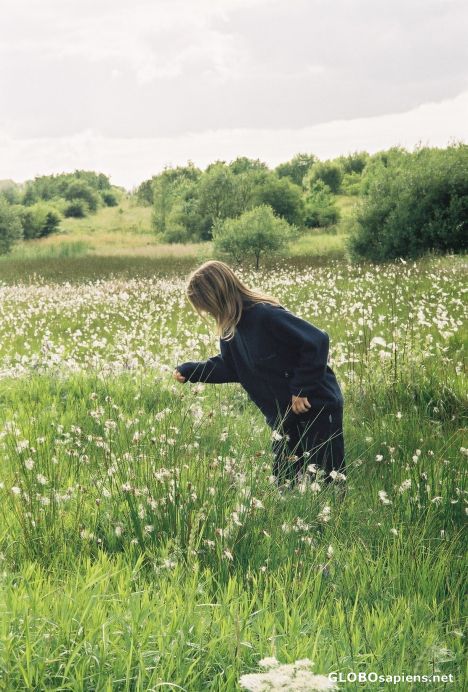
(214, 288)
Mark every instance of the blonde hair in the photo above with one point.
(214, 288)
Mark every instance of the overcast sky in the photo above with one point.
(128, 86)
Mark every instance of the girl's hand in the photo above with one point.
(300, 404)
(178, 376)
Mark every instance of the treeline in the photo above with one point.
(187, 202)
(35, 209)
(407, 202)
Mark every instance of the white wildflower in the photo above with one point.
(383, 497)
(406, 485)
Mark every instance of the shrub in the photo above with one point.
(297, 168)
(81, 191)
(11, 229)
(251, 235)
(39, 220)
(283, 196)
(110, 199)
(415, 202)
(329, 172)
(76, 209)
(320, 208)
(351, 183)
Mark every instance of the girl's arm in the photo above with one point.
(216, 370)
(310, 343)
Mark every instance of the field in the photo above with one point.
(142, 543)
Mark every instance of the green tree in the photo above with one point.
(252, 235)
(168, 188)
(415, 202)
(297, 168)
(245, 165)
(330, 172)
(11, 229)
(320, 206)
(39, 220)
(218, 197)
(80, 190)
(283, 196)
(353, 163)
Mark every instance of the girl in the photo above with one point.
(281, 362)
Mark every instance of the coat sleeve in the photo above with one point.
(216, 370)
(309, 343)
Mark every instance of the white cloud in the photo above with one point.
(130, 160)
(162, 68)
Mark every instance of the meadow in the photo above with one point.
(143, 544)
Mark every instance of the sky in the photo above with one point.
(128, 87)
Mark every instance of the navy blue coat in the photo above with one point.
(274, 354)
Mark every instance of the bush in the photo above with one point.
(351, 184)
(251, 235)
(77, 209)
(415, 202)
(81, 191)
(283, 196)
(329, 172)
(320, 208)
(297, 168)
(109, 199)
(39, 220)
(11, 229)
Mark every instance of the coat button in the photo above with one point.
(286, 374)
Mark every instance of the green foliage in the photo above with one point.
(320, 207)
(245, 165)
(351, 184)
(329, 172)
(11, 229)
(10, 192)
(353, 163)
(109, 198)
(48, 187)
(77, 209)
(80, 190)
(414, 202)
(283, 196)
(218, 198)
(144, 192)
(167, 189)
(297, 168)
(39, 220)
(255, 233)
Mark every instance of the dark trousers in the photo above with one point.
(314, 438)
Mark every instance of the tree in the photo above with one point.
(253, 234)
(283, 196)
(218, 196)
(39, 220)
(297, 168)
(320, 206)
(11, 229)
(415, 202)
(353, 163)
(167, 188)
(245, 165)
(80, 190)
(329, 172)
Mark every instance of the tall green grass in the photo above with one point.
(142, 543)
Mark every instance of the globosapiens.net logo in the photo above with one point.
(391, 679)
